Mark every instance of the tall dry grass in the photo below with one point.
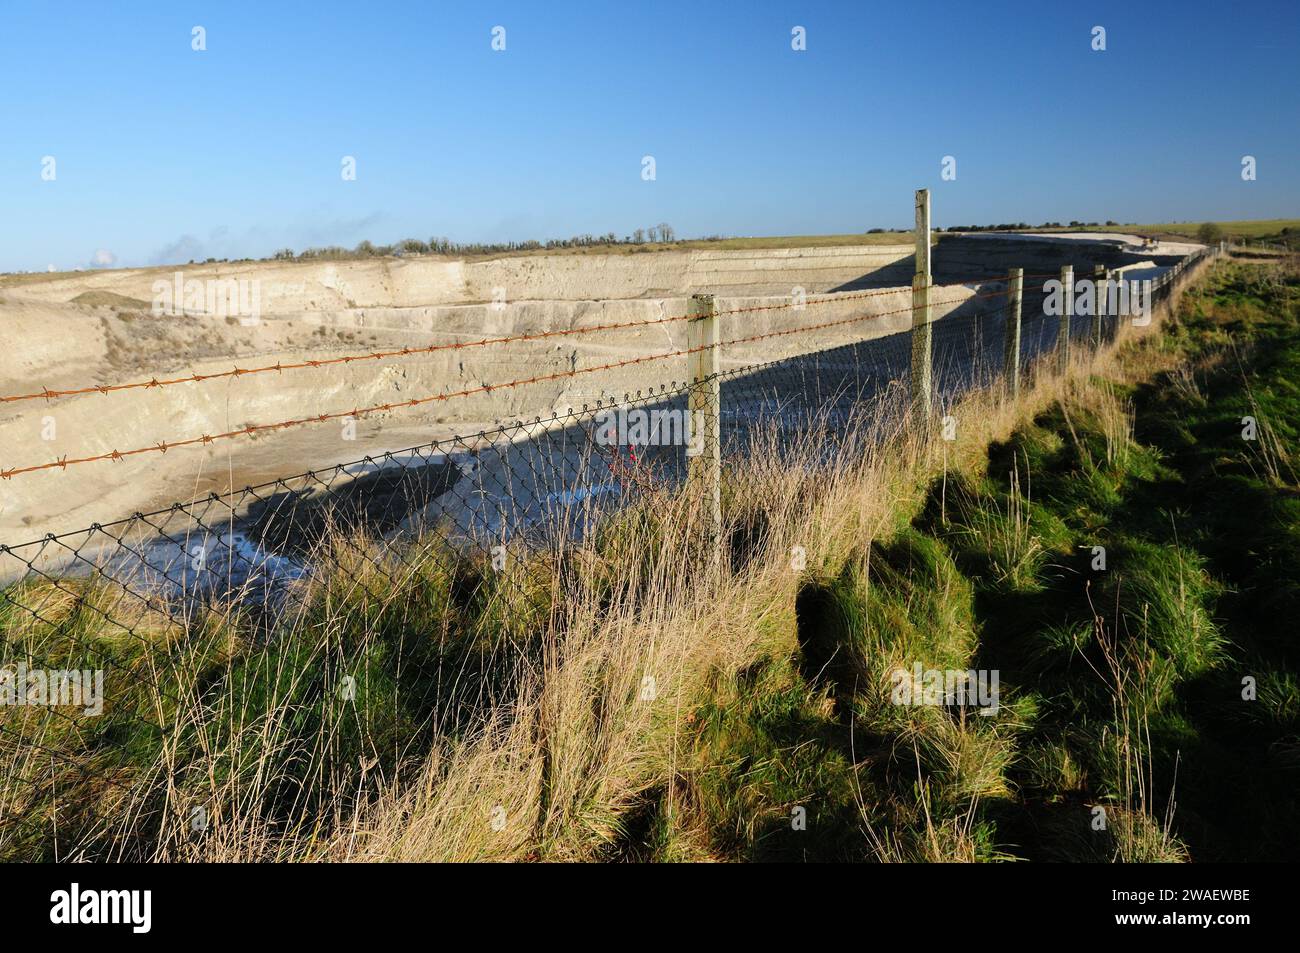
(590, 702)
(581, 744)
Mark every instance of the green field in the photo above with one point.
(1269, 230)
(726, 244)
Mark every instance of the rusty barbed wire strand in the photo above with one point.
(523, 493)
(64, 462)
(48, 394)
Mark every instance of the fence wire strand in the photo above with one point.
(169, 604)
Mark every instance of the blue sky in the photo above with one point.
(165, 154)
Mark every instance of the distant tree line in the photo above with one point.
(662, 233)
(659, 234)
(1021, 226)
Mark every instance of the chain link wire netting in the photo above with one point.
(161, 602)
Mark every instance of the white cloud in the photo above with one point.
(103, 258)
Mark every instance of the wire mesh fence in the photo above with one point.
(127, 635)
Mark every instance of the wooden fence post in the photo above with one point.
(1011, 354)
(704, 408)
(1067, 309)
(1099, 274)
(922, 330)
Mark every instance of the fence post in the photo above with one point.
(1011, 356)
(704, 406)
(1067, 309)
(922, 330)
(1099, 278)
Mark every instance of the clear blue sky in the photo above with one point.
(165, 154)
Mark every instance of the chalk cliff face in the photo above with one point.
(113, 327)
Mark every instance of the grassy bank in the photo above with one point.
(1127, 562)
(625, 701)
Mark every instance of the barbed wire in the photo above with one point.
(359, 412)
(49, 394)
(131, 595)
